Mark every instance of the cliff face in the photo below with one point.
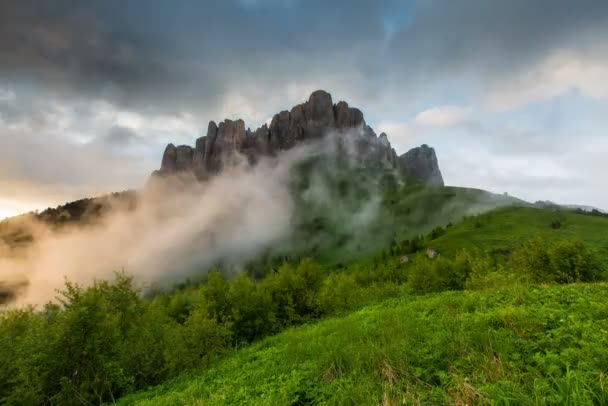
(229, 141)
(421, 163)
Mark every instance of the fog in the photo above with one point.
(179, 227)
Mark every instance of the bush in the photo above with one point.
(253, 311)
(294, 290)
(572, 261)
(532, 261)
(339, 291)
(437, 275)
(482, 273)
(566, 261)
(193, 344)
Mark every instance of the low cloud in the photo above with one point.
(562, 71)
(181, 227)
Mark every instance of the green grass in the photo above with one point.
(516, 345)
(522, 345)
(503, 229)
(403, 213)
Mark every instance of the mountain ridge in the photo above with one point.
(306, 122)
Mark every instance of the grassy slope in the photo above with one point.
(402, 214)
(502, 229)
(519, 346)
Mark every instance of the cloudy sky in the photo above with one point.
(512, 94)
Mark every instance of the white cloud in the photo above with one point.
(442, 116)
(562, 71)
(406, 134)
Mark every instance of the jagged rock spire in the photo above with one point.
(304, 122)
(421, 163)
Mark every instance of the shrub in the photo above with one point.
(294, 290)
(572, 261)
(215, 294)
(253, 311)
(194, 343)
(339, 291)
(532, 261)
(482, 273)
(86, 351)
(437, 275)
(562, 262)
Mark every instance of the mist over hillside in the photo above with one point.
(303, 202)
(313, 199)
(286, 189)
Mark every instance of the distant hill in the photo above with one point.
(20, 231)
(547, 204)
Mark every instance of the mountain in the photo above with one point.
(317, 118)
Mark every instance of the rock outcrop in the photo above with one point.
(421, 163)
(229, 142)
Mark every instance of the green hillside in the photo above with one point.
(345, 211)
(512, 346)
(510, 341)
(501, 230)
(511, 311)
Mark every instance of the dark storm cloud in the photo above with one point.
(189, 55)
(495, 37)
(176, 55)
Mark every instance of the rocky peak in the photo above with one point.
(169, 157)
(421, 163)
(320, 109)
(226, 142)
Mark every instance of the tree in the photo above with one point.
(215, 294)
(253, 311)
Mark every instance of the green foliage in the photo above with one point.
(340, 291)
(216, 296)
(197, 342)
(504, 230)
(103, 342)
(564, 261)
(437, 275)
(253, 310)
(294, 290)
(507, 341)
(532, 260)
(436, 233)
(508, 346)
